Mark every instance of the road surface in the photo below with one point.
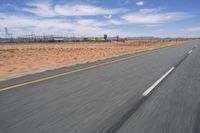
(148, 92)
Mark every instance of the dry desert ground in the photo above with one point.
(21, 59)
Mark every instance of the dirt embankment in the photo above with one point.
(21, 59)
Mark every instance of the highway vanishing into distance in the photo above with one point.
(156, 91)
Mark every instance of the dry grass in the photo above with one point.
(17, 59)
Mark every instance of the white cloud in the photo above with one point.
(108, 16)
(150, 10)
(140, 3)
(152, 25)
(91, 23)
(40, 9)
(154, 16)
(85, 10)
(193, 29)
(98, 23)
(23, 25)
(115, 22)
(82, 19)
(46, 9)
(46, 19)
(23, 21)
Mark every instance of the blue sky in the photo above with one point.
(161, 18)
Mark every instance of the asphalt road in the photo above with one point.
(175, 106)
(109, 98)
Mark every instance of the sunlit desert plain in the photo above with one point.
(17, 59)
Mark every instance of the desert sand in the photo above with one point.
(21, 59)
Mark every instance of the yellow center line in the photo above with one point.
(71, 72)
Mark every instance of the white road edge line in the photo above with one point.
(157, 82)
(190, 52)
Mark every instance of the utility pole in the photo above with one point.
(105, 37)
(8, 35)
(117, 37)
(6, 32)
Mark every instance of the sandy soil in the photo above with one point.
(20, 59)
